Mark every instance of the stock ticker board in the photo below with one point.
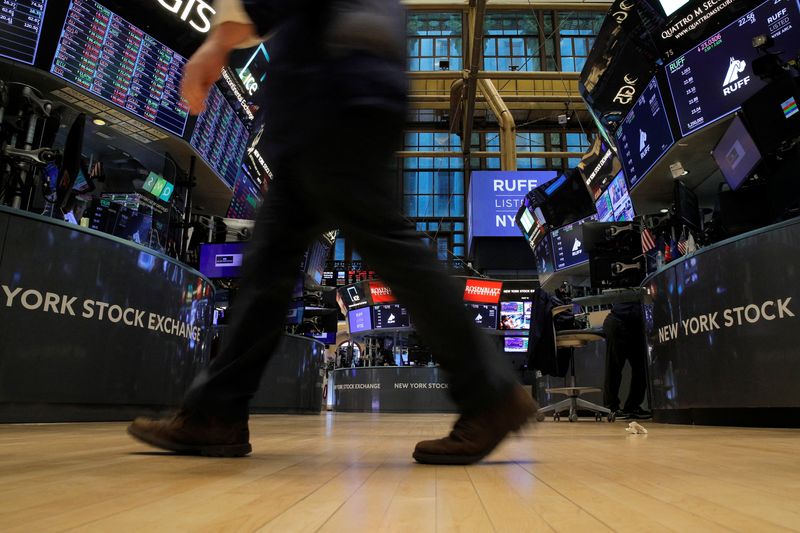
(104, 54)
(220, 137)
(20, 28)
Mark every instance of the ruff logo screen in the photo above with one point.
(732, 82)
(495, 199)
(716, 77)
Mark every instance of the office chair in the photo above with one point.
(571, 339)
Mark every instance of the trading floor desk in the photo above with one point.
(93, 327)
(723, 328)
(391, 389)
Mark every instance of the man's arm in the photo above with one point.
(232, 28)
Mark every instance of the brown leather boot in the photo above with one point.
(475, 436)
(194, 435)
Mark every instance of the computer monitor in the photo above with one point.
(360, 320)
(736, 154)
(566, 200)
(687, 207)
(483, 316)
(515, 344)
(219, 261)
(515, 316)
(773, 115)
(391, 316)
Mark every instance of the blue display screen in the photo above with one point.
(568, 245)
(20, 28)
(222, 260)
(645, 134)
(713, 79)
(360, 320)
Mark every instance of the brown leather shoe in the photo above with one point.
(194, 435)
(475, 436)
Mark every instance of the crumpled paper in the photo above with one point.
(636, 428)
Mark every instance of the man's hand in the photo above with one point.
(205, 66)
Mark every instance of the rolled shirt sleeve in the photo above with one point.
(234, 11)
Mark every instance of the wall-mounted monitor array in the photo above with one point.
(714, 78)
(220, 137)
(20, 29)
(491, 305)
(102, 53)
(645, 135)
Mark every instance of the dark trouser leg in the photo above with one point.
(283, 232)
(637, 357)
(367, 210)
(613, 329)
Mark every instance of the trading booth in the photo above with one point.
(111, 200)
(693, 177)
(385, 368)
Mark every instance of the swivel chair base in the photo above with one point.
(573, 403)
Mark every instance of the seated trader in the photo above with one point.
(625, 341)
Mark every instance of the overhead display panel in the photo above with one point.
(714, 78)
(104, 54)
(568, 245)
(20, 28)
(645, 135)
(220, 137)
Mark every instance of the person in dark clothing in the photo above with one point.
(625, 341)
(335, 105)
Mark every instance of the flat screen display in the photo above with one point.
(645, 134)
(736, 154)
(714, 78)
(544, 257)
(483, 291)
(515, 316)
(620, 200)
(516, 344)
(220, 137)
(605, 209)
(246, 198)
(158, 187)
(360, 320)
(20, 28)
(483, 315)
(568, 246)
(391, 316)
(104, 54)
(222, 260)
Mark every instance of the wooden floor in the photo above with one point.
(354, 473)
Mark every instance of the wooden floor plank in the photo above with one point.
(352, 473)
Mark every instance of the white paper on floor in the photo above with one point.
(636, 428)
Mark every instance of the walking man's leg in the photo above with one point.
(481, 381)
(213, 417)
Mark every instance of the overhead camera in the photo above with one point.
(768, 66)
